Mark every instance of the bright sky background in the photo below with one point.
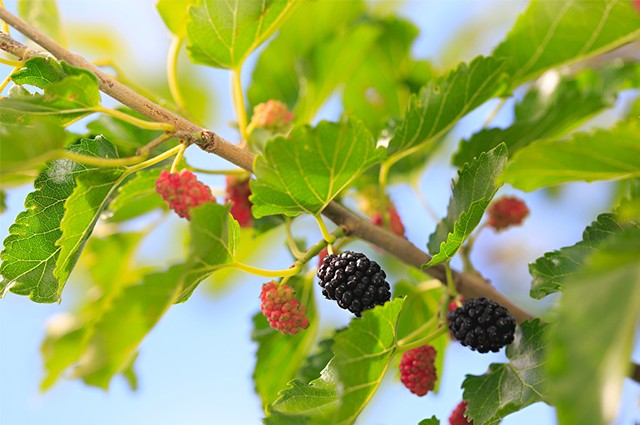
(195, 367)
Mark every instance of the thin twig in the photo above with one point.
(468, 285)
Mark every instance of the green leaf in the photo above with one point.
(554, 268)
(301, 71)
(26, 147)
(175, 14)
(223, 35)
(214, 237)
(542, 115)
(318, 360)
(29, 271)
(68, 334)
(3, 201)
(136, 197)
(82, 211)
(598, 155)
(443, 101)
(363, 353)
(380, 87)
(43, 14)
(315, 403)
(69, 93)
(590, 345)
(476, 185)
(129, 318)
(551, 33)
(431, 421)
(304, 172)
(271, 374)
(509, 387)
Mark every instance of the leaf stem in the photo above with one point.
(291, 243)
(3, 25)
(10, 62)
(323, 229)
(146, 149)
(8, 79)
(148, 163)
(148, 125)
(232, 172)
(238, 103)
(102, 162)
(441, 330)
(172, 72)
(178, 158)
(450, 284)
(267, 273)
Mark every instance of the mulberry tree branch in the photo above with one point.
(468, 285)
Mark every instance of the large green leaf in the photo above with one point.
(136, 197)
(315, 403)
(82, 211)
(552, 33)
(591, 343)
(301, 71)
(43, 14)
(214, 237)
(175, 14)
(26, 147)
(128, 319)
(443, 101)
(598, 155)
(304, 172)
(69, 93)
(510, 387)
(224, 34)
(271, 374)
(363, 353)
(542, 115)
(554, 268)
(68, 334)
(380, 87)
(31, 250)
(476, 185)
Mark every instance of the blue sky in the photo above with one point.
(195, 366)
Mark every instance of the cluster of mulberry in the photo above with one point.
(418, 370)
(284, 313)
(183, 191)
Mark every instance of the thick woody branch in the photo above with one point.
(468, 285)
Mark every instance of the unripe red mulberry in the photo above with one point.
(458, 415)
(272, 115)
(395, 222)
(183, 191)
(507, 211)
(284, 313)
(418, 370)
(238, 192)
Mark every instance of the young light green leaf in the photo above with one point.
(338, 35)
(590, 345)
(476, 185)
(82, 211)
(554, 268)
(214, 237)
(128, 319)
(223, 35)
(542, 115)
(43, 14)
(363, 353)
(271, 374)
(175, 14)
(67, 334)
(431, 421)
(136, 197)
(315, 403)
(600, 155)
(552, 33)
(29, 271)
(40, 72)
(443, 101)
(510, 387)
(26, 147)
(304, 172)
